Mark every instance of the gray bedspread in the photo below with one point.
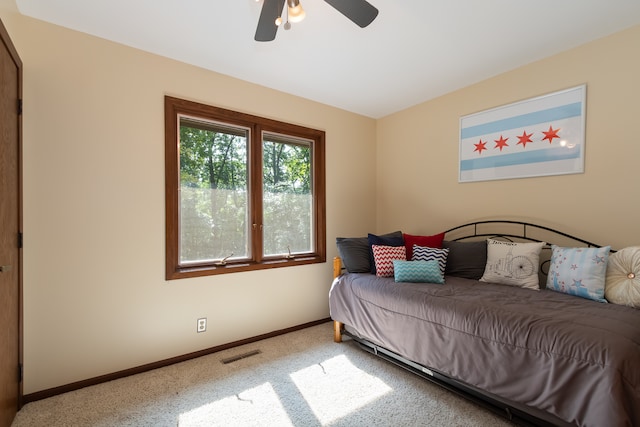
(574, 358)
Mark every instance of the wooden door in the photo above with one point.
(10, 230)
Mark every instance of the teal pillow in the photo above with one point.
(417, 271)
(579, 271)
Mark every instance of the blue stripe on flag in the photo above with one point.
(534, 156)
(542, 116)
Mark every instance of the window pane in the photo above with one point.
(214, 203)
(287, 195)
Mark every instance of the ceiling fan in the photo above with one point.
(361, 12)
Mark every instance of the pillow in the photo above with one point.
(354, 252)
(511, 263)
(417, 271)
(423, 253)
(578, 271)
(466, 259)
(434, 241)
(382, 241)
(622, 282)
(384, 256)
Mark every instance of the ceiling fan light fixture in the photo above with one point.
(360, 12)
(296, 12)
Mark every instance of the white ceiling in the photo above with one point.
(414, 51)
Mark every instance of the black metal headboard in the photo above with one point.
(518, 231)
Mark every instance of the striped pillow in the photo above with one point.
(424, 253)
(417, 272)
(383, 257)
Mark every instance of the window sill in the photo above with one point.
(211, 270)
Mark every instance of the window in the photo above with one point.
(242, 192)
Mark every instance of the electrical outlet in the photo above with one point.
(202, 324)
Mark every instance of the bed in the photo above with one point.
(550, 354)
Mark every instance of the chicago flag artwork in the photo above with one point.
(536, 137)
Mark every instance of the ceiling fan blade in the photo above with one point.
(267, 27)
(360, 12)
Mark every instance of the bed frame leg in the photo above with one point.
(337, 266)
(337, 331)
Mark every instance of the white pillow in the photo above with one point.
(514, 264)
(622, 285)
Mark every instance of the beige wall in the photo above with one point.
(95, 298)
(418, 189)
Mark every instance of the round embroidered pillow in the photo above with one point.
(622, 285)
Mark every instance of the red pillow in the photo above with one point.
(434, 241)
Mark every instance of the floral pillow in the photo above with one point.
(579, 271)
(383, 257)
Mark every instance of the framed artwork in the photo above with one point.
(539, 136)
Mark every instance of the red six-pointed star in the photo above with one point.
(481, 145)
(524, 138)
(501, 143)
(550, 134)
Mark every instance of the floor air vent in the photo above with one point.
(240, 356)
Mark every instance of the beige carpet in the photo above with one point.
(298, 379)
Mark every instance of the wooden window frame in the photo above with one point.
(173, 108)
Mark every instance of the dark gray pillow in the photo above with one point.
(354, 252)
(466, 259)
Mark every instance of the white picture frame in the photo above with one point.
(539, 136)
